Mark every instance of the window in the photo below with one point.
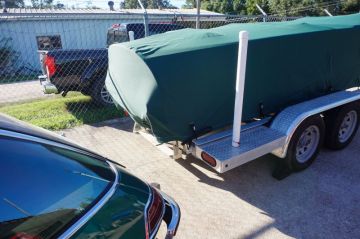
(49, 42)
(44, 188)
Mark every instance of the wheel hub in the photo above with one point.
(348, 126)
(307, 144)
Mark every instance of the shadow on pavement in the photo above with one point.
(88, 112)
(320, 202)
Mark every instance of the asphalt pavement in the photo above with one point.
(20, 92)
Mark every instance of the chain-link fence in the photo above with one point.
(53, 63)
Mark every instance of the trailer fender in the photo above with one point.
(288, 120)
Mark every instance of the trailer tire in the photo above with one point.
(341, 125)
(305, 144)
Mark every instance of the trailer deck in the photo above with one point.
(255, 143)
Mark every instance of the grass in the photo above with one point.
(61, 112)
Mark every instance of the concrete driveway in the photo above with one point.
(21, 91)
(321, 202)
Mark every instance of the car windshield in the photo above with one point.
(44, 188)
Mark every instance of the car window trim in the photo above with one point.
(32, 138)
(94, 209)
(100, 202)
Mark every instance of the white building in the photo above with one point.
(26, 31)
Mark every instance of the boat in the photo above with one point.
(181, 84)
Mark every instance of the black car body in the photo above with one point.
(84, 70)
(53, 188)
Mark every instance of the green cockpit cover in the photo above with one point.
(170, 81)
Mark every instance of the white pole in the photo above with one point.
(240, 85)
(131, 36)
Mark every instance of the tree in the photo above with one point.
(312, 7)
(251, 8)
(189, 4)
(122, 5)
(48, 2)
(42, 3)
(59, 5)
(223, 6)
(14, 3)
(239, 7)
(350, 6)
(296, 7)
(271, 7)
(281, 7)
(133, 4)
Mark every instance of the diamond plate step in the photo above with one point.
(254, 143)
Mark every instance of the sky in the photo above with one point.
(99, 3)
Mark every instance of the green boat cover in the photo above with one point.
(176, 80)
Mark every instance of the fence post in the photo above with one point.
(146, 20)
(327, 12)
(146, 24)
(198, 5)
(131, 36)
(262, 12)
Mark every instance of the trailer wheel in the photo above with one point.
(341, 126)
(305, 144)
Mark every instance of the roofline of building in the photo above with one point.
(49, 11)
(61, 14)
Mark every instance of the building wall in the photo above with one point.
(21, 35)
